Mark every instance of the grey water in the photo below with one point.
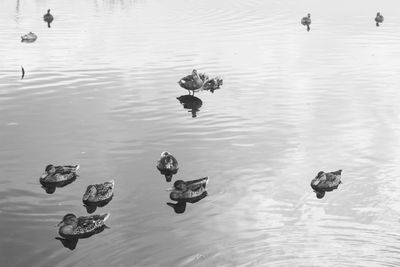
(100, 89)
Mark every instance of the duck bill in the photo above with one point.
(43, 175)
(170, 189)
(60, 224)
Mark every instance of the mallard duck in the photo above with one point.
(98, 193)
(167, 165)
(193, 82)
(48, 18)
(29, 37)
(57, 175)
(324, 182)
(191, 102)
(213, 84)
(306, 21)
(378, 19)
(189, 190)
(81, 227)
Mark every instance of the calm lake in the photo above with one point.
(100, 90)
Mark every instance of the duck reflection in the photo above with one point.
(326, 182)
(192, 103)
(180, 206)
(91, 207)
(50, 187)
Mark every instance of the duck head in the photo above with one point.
(50, 170)
(165, 153)
(378, 14)
(48, 11)
(68, 224)
(90, 193)
(320, 174)
(308, 15)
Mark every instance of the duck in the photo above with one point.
(189, 191)
(213, 84)
(80, 227)
(326, 181)
(99, 193)
(58, 175)
(48, 18)
(29, 37)
(167, 165)
(193, 82)
(306, 21)
(378, 19)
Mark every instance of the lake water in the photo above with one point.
(100, 89)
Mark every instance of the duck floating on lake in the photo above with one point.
(99, 194)
(58, 175)
(167, 165)
(72, 227)
(378, 19)
(326, 181)
(188, 191)
(48, 18)
(306, 21)
(29, 37)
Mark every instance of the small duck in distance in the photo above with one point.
(72, 227)
(193, 82)
(167, 165)
(306, 21)
(189, 190)
(29, 37)
(48, 18)
(378, 19)
(326, 181)
(99, 193)
(58, 174)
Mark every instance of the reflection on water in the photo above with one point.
(180, 206)
(71, 243)
(100, 89)
(50, 188)
(192, 103)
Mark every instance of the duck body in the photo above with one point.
(306, 20)
(167, 165)
(193, 82)
(189, 191)
(48, 17)
(99, 193)
(29, 37)
(378, 19)
(81, 227)
(58, 175)
(325, 182)
(213, 84)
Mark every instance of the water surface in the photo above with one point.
(101, 90)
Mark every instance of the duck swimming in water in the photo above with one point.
(167, 165)
(81, 227)
(99, 193)
(378, 19)
(324, 182)
(29, 37)
(54, 175)
(189, 190)
(306, 21)
(48, 18)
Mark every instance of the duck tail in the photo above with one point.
(77, 167)
(112, 182)
(105, 216)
